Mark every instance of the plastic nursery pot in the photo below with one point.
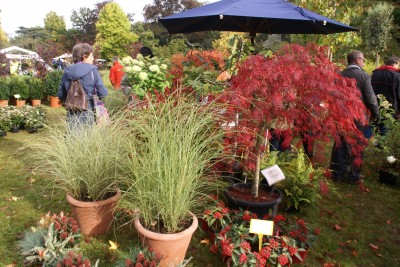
(239, 196)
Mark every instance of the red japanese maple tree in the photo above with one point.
(296, 91)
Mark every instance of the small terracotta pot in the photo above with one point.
(172, 247)
(20, 103)
(3, 102)
(94, 218)
(55, 102)
(36, 102)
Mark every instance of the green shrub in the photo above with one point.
(52, 82)
(4, 89)
(19, 86)
(36, 88)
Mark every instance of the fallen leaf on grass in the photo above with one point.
(113, 245)
(339, 250)
(205, 241)
(329, 264)
(349, 195)
(380, 240)
(379, 255)
(354, 253)
(389, 221)
(13, 198)
(337, 227)
(373, 246)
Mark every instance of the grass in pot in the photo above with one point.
(173, 143)
(85, 164)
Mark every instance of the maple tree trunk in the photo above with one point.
(256, 182)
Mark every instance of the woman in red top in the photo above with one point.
(116, 74)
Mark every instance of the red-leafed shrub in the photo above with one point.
(296, 91)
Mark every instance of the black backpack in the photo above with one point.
(76, 97)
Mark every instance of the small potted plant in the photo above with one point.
(19, 89)
(34, 118)
(36, 90)
(73, 258)
(51, 84)
(4, 92)
(5, 121)
(16, 118)
(52, 237)
(85, 163)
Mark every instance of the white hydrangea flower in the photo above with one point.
(391, 159)
(154, 68)
(136, 68)
(163, 66)
(385, 104)
(143, 76)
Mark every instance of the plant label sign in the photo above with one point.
(273, 174)
(261, 227)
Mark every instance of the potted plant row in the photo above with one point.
(20, 89)
(13, 118)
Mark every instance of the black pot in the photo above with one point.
(33, 130)
(259, 208)
(3, 133)
(386, 177)
(14, 129)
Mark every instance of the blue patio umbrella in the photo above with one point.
(253, 16)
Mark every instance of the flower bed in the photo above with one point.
(31, 118)
(229, 236)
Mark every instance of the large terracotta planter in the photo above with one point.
(3, 102)
(262, 205)
(55, 102)
(36, 102)
(94, 218)
(172, 247)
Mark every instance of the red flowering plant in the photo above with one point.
(53, 237)
(237, 244)
(74, 259)
(143, 258)
(295, 92)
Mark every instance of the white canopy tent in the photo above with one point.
(15, 52)
(63, 56)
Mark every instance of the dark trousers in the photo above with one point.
(342, 162)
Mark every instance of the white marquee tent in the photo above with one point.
(15, 52)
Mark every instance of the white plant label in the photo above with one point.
(273, 174)
(261, 227)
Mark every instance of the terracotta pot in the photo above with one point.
(3, 102)
(36, 102)
(20, 102)
(55, 102)
(172, 247)
(94, 218)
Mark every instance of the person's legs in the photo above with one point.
(356, 162)
(338, 160)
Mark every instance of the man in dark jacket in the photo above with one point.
(341, 153)
(386, 81)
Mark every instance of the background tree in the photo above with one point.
(3, 37)
(341, 10)
(378, 24)
(162, 8)
(114, 31)
(30, 38)
(55, 25)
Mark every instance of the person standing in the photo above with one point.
(89, 76)
(341, 153)
(116, 74)
(385, 80)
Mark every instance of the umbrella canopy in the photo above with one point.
(253, 16)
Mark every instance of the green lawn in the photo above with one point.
(352, 221)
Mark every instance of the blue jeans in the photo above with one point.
(342, 162)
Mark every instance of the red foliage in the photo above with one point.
(209, 59)
(297, 91)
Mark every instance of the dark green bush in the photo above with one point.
(36, 88)
(4, 89)
(19, 86)
(52, 82)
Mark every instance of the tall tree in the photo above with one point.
(84, 22)
(114, 31)
(378, 24)
(55, 25)
(162, 8)
(3, 36)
